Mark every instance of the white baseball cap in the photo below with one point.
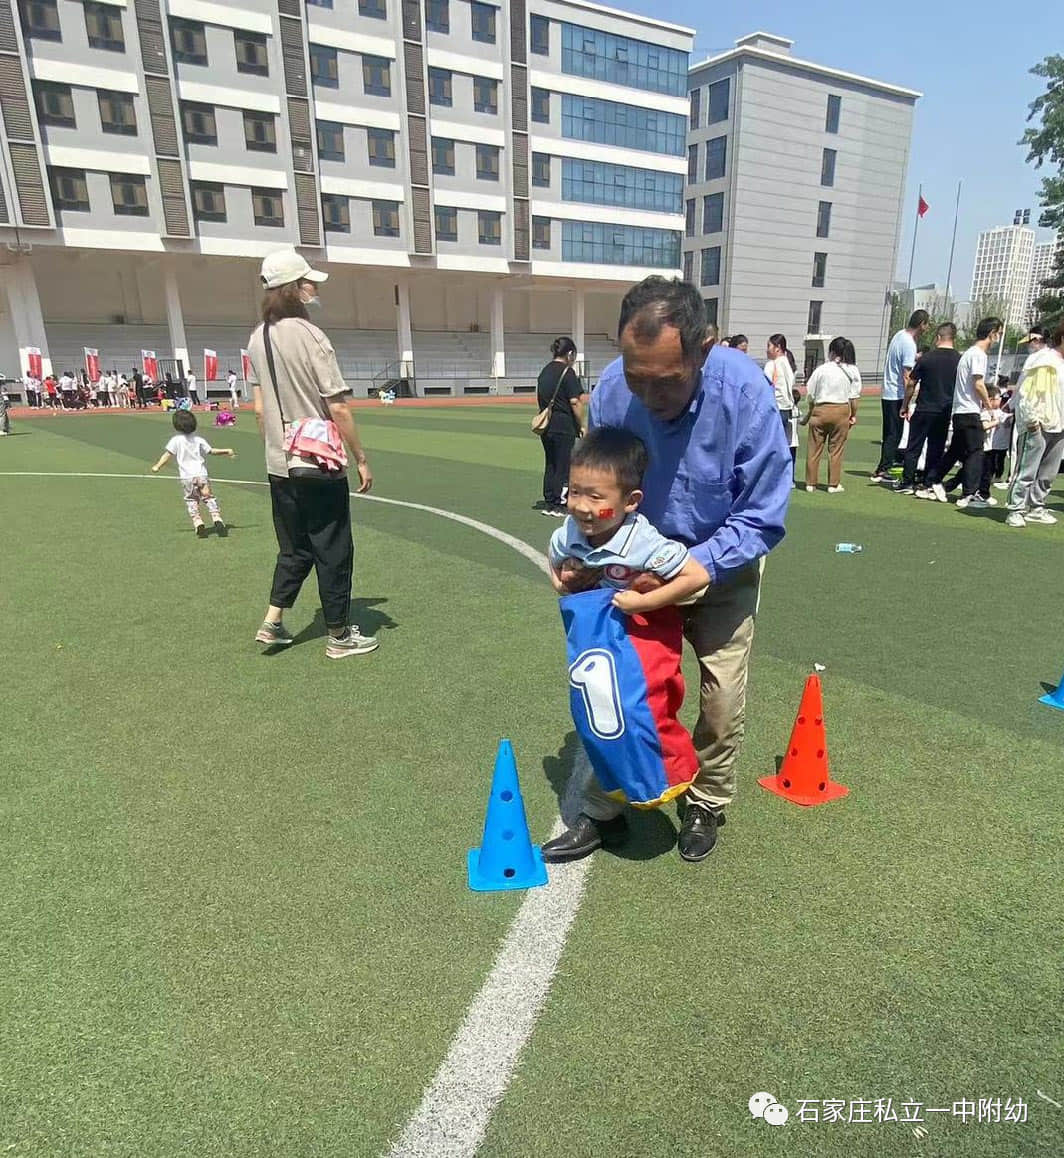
(284, 266)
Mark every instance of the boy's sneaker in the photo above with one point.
(352, 642)
(835, 490)
(971, 503)
(201, 530)
(1015, 519)
(938, 492)
(1040, 515)
(275, 634)
(220, 529)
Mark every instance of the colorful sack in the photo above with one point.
(626, 688)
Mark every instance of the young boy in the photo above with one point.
(190, 450)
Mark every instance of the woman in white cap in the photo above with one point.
(298, 387)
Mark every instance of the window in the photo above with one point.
(268, 207)
(330, 141)
(103, 23)
(55, 105)
(208, 201)
(374, 8)
(631, 127)
(336, 213)
(485, 95)
(438, 16)
(820, 269)
(385, 219)
(251, 55)
(40, 19)
(376, 76)
(323, 68)
(443, 156)
(719, 100)
(716, 158)
(539, 28)
(713, 213)
(189, 41)
(129, 195)
(117, 114)
(712, 308)
(320, 3)
(541, 169)
(381, 143)
(603, 183)
(823, 219)
(692, 162)
(488, 163)
(813, 324)
(604, 244)
(440, 87)
(489, 227)
(541, 233)
(696, 106)
(827, 167)
(688, 266)
(260, 132)
(69, 190)
(831, 123)
(199, 124)
(711, 266)
(689, 219)
(446, 223)
(635, 63)
(483, 22)
(541, 106)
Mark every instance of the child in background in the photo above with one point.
(999, 441)
(990, 418)
(190, 450)
(224, 417)
(795, 423)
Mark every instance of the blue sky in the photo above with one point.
(970, 61)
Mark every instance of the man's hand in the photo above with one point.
(575, 577)
(630, 602)
(365, 477)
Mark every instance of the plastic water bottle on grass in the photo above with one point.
(848, 548)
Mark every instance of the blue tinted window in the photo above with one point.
(603, 56)
(604, 244)
(610, 123)
(597, 183)
(716, 158)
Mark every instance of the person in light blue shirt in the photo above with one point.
(901, 358)
(719, 482)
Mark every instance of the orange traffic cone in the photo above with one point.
(803, 776)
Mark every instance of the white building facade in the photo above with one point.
(1043, 266)
(1002, 273)
(476, 177)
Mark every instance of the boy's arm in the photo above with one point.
(692, 577)
(166, 456)
(222, 450)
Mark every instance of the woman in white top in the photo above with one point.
(779, 370)
(832, 390)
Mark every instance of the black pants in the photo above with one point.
(557, 450)
(993, 467)
(966, 448)
(930, 426)
(892, 428)
(312, 519)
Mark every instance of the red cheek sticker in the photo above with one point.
(606, 513)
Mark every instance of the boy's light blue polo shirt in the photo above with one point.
(636, 546)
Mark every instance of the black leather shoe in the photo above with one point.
(698, 834)
(583, 838)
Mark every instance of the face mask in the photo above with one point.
(312, 303)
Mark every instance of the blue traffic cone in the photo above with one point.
(1055, 699)
(507, 858)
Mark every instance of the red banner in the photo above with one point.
(92, 364)
(33, 362)
(245, 364)
(210, 365)
(150, 364)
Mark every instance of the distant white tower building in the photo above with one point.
(1042, 266)
(1003, 260)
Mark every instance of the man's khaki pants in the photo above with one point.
(719, 625)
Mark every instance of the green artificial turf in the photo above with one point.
(235, 912)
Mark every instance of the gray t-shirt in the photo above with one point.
(308, 377)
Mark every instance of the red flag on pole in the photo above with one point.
(34, 362)
(150, 364)
(245, 364)
(92, 364)
(922, 208)
(210, 365)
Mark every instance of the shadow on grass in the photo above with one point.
(650, 833)
(363, 611)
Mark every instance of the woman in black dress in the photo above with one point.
(559, 387)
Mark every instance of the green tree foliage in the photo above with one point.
(1045, 146)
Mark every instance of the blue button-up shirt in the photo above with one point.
(720, 475)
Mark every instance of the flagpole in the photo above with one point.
(916, 226)
(953, 243)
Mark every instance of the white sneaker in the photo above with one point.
(926, 493)
(1015, 519)
(971, 503)
(1001, 486)
(1040, 515)
(835, 490)
(990, 500)
(939, 492)
(878, 478)
(810, 489)
(352, 642)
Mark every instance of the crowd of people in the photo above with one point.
(137, 390)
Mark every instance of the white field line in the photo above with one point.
(457, 1105)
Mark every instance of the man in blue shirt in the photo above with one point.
(719, 481)
(901, 358)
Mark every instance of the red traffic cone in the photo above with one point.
(803, 776)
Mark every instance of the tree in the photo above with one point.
(1045, 145)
